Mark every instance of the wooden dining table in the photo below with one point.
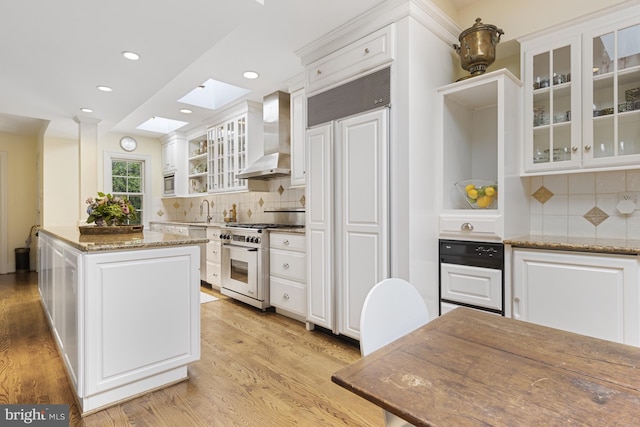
(470, 368)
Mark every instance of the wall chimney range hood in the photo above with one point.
(276, 160)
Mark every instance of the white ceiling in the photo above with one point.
(55, 53)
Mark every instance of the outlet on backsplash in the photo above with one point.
(627, 202)
(629, 196)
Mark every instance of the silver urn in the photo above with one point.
(477, 48)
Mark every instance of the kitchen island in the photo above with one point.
(123, 309)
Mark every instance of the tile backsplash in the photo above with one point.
(586, 204)
(251, 206)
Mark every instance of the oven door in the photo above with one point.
(240, 270)
(476, 286)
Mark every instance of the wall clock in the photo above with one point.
(128, 143)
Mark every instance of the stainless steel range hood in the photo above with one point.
(276, 160)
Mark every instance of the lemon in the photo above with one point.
(490, 191)
(469, 187)
(484, 201)
(473, 193)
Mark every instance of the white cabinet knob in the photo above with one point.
(285, 296)
(466, 227)
(285, 242)
(285, 265)
(366, 50)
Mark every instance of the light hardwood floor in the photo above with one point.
(256, 369)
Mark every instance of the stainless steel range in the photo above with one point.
(245, 262)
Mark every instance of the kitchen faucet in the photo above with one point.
(209, 217)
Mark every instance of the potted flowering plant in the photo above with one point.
(109, 210)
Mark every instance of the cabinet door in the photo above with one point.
(169, 156)
(612, 94)
(361, 165)
(594, 295)
(319, 226)
(552, 86)
(298, 120)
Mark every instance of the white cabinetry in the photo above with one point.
(298, 128)
(477, 140)
(361, 56)
(174, 161)
(581, 84)
(197, 165)
(287, 269)
(233, 144)
(169, 155)
(214, 257)
(347, 222)
(108, 314)
(589, 294)
(60, 295)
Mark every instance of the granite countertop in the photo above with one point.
(582, 244)
(294, 230)
(117, 242)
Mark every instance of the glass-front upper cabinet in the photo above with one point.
(582, 94)
(612, 98)
(552, 102)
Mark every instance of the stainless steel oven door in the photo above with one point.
(240, 270)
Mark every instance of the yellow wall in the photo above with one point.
(22, 192)
(60, 203)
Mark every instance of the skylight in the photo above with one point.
(161, 125)
(213, 94)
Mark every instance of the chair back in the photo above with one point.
(392, 308)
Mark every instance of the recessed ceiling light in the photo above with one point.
(105, 88)
(250, 75)
(86, 110)
(131, 55)
(185, 111)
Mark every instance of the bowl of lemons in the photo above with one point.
(478, 193)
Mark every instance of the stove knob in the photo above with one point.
(257, 240)
(252, 239)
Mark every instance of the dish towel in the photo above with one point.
(206, 298)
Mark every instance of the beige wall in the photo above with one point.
(22, 192)
(518, 18)
(62, 203)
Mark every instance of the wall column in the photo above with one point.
(87, 161)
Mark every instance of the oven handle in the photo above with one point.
(229, 245)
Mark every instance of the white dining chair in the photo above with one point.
(392, 308)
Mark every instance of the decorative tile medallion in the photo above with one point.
(160, 213)
(176, 205)
(303, 200)
(261, 202)
(280, 190)
(249, 213)
(596, 216)
(542, 194)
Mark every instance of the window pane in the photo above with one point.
(118, 168)
(134, 185)
(135, 169)
(119, 184)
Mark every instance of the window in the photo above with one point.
(127, 181)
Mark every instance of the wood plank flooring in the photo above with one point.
(256, 369)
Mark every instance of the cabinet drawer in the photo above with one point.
(214, 252)
(290, 265)
(360, 56)
(288, 295)
(214, 273)
(213, 233)
(489, 225)
(288, 241)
